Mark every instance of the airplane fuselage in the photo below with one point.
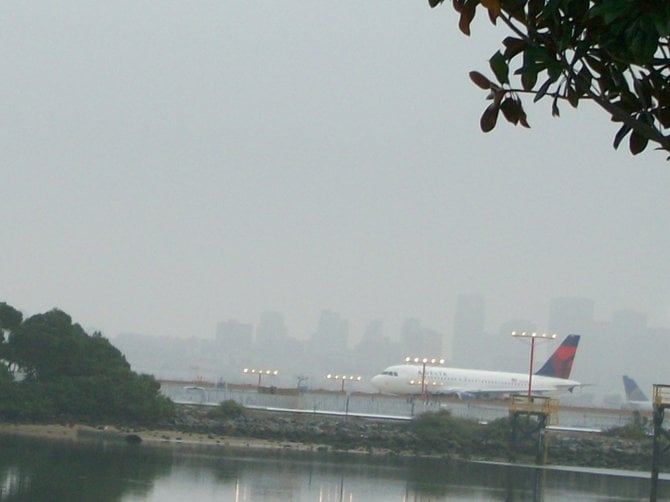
(408, 379)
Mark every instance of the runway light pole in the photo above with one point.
(532, 336)
(260, 373)
(343, 378)
(423, 361)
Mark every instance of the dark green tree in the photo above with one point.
(47, 346)
(10, 318)
(70, 374)
(614, 53)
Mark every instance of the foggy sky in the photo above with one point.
(169, 165)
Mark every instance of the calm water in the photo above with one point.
(36, 470)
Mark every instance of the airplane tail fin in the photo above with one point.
(633, 391)
(559, 364)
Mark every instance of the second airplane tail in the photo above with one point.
(633, 391)
(559, 364)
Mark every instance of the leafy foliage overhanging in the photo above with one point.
(614, 53)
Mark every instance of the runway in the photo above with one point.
(378, 406)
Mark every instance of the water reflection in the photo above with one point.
(32, 469)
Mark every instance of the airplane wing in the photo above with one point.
(468, 393)
(465, 392)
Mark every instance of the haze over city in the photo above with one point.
(169, 166)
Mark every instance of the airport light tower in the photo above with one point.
(260, 373)
(423, 361)
(343, 378)
(532, 336)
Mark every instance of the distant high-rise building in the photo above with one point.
(630, 321)
(375, 351)
(332, 332)
(234, 334)
(571, 315)
(271, 330)
(373, 336)
(419, 341)
(469, 338)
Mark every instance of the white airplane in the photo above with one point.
(635, 398)
(551, 379)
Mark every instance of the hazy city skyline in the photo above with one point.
(546, 324)
(167, 166)
(625, 337)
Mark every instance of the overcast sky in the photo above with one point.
(169, 165)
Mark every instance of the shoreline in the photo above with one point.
(165, 437)
(587, 452)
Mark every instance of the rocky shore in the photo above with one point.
(453, 438)
(467, 440)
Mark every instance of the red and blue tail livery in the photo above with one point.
(559, 364)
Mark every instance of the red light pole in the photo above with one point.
(533, 336)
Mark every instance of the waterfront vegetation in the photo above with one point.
(52, 370)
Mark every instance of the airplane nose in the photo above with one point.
(376, 382)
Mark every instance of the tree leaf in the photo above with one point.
(620, 135)
(664, 116)
(573, 97)
(499, 66)
(515, 8)
(551, 8)
(555, 112)
(534, 9)
(554, 70)
(583, 81)
(610, 10)
(595, 64)
(643, 91)
(489, 118)
(513, 46)
(458, 5)
(480, 80)
(494, 8)
(542, 91)
(528, 79)
(511, 108)
(522, 117)
(637, 143)
(467, 15)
